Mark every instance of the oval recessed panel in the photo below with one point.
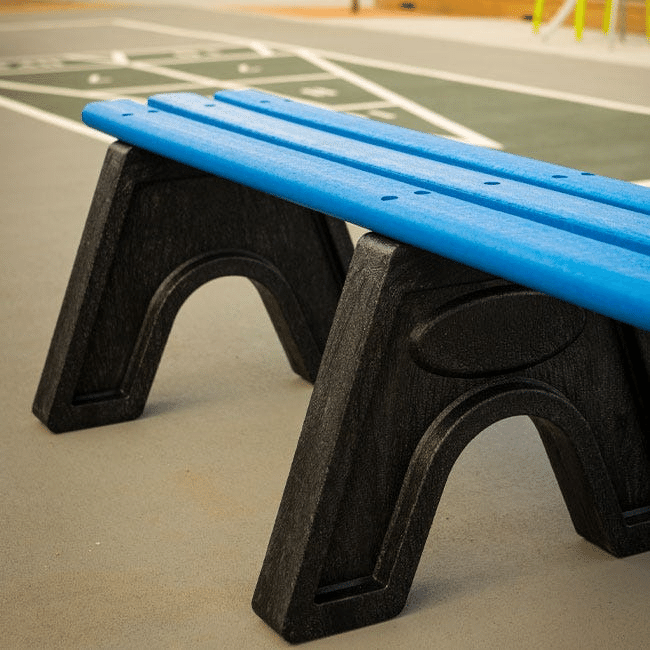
(495, 332)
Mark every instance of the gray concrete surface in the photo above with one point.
(151, 533)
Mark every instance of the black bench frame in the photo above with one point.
(423, 354)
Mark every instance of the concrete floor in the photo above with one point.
(152, 533)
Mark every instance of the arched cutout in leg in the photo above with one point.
(155, 231)
(281, 303)
(574, 456)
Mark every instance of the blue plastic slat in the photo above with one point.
(609, 279)
(592, 219)
(565, 179)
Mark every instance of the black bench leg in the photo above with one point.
(156, 231)
(423, 355)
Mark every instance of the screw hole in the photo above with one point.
(586, 174)
(209, 104)
(388, 198)
(421, 192)
(265, 101)
(559, 176)
(492, 183)
(151, 110)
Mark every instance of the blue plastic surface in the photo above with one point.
(577, 236)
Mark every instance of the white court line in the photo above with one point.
(396, 67)
(56, 90)
(185, 76)
(245, 82)
(467, 135)
(361, 106)
(645, 183)
(494, 84)
(56, 120)
(289, 78)
(89, 67)
(261, 48)
(121, 92)
(185, 57)
(198, 34)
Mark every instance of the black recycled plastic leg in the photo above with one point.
(423, 355)
(156, 231)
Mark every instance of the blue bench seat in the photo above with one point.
(573, 235)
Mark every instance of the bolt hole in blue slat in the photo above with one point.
(126, 114)
(559, 176)
(388, 198)
(492, 183)
(421, 192)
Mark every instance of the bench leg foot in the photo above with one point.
(156, 231)
(423, 355)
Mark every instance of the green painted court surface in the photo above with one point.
(595, 138)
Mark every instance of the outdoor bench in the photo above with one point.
(491, 286)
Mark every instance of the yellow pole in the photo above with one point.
(607, 16)
(581, 10)
(647, 18)
(538, 10)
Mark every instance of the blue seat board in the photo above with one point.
(608, 274)
(604, 222)
(571, 181)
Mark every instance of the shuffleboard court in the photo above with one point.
(602, 136)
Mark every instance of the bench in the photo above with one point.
(490, 286)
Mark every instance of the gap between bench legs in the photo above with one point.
(404, 386)
(156, 231)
